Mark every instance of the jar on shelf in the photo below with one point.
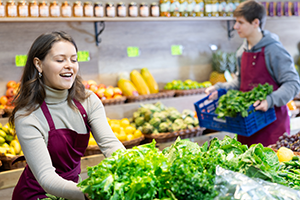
(11, 9)
(154, 9)
(110, 10)
(77, 9)
(183, 8)
(222, 8)
(230, 8)
(208, 8)
(33, 9)
(214, 8)
(174, 8)
(191, 8)
(98, 9)
(44, 9)
(2, 9)
(132, 9)
(66, 9)
(121, 9)
(165, 8)
(54, 9)
(199, 8)
(88, 9)
(22, 9)
(144, 10)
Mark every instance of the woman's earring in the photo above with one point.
(40, 75)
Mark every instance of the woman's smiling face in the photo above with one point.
(60, 66)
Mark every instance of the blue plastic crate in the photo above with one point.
(245, 126)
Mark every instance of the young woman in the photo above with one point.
(263, 59)
(53, 117)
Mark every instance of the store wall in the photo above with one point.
(154, 39)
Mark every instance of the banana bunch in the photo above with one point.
(9, 144)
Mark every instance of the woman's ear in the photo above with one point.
(37, 63)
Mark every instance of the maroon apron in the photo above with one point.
(66, 147)
(253, 72)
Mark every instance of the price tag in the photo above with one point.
(176, 50)
(133, 51)
(20, 60)
(83, 56)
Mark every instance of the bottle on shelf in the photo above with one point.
(121, 9)
(43, 9)
(208, 8)
(164, 8)
(144, 10)
(88, 9)
(110, 10)
(214, 8)
(199, 8)
(2, 9)
(174, 8)
(230, 8)
(22, 8)
(54, 9)
(11, 9)
(132, 9)
(183, 8)
(66, 10)
(33, 9)
(77, 9)
(222, 8)
(98, 9)
(154, 9)
(191, 8)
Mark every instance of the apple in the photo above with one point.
(94, 88)
(11, 84)
(110, 86)
(86, 85)
(10, 92)
(100, 92)
(117, 91)
(101, 85)
(116, 96)
(92, 82)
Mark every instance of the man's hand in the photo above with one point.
(261, 105)
(212, 92)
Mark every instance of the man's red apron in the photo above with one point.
(66, 147)
(253, 72)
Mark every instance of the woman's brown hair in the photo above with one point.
(31, 92)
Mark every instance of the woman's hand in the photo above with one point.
(212, 92)
(261, 105)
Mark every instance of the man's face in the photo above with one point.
(244, 28)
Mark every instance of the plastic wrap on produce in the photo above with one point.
(234, 185)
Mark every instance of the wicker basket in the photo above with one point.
(7, 162)
(8, 111)
(94, 149)
(160, 95)
(1, 112)
(116, 101)
(189, 92)
(171, 136)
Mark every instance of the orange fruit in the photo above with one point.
(3, 100)
(291, 105)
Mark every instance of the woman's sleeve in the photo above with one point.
(38, 159)
(106, 139)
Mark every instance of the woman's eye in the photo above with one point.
(60, 61)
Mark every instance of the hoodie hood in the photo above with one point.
(268, 39)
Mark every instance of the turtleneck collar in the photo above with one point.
(54, 96)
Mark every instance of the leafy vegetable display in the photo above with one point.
(234, 101)
(184, 170)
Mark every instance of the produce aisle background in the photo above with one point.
(6, 194)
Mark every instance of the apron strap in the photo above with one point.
(83, 114)
(47, 114)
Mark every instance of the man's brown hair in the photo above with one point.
(251, 10)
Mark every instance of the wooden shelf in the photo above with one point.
(108, 19)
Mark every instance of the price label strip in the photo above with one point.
(83, 56)
(20, 60)
(176, 50)
(133, 51)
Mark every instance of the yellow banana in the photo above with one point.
(150, 81)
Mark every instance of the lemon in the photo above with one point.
(129, 129)
(122, 136)
(92, 141)
(130, 137)
(115, 127)
(137, 133)
(284, 154)
(125, 122)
